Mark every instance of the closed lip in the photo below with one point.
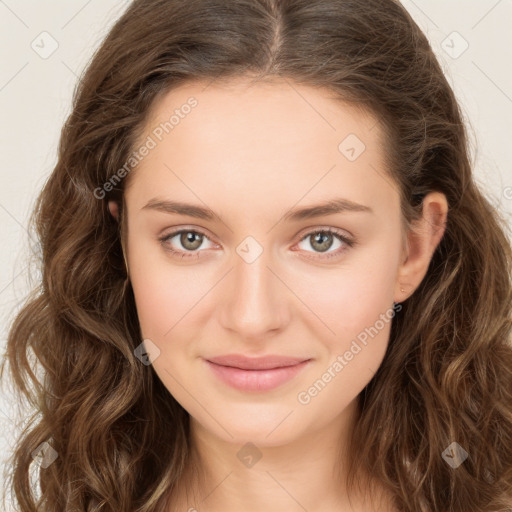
(256, 363)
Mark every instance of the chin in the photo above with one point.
(243, 426)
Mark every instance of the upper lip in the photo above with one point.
(256, 363)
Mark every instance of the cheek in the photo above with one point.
(354, 302)
(164, 293)
(361, 323)
(353, 296)
(339, 382)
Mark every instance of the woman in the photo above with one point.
(269, 279)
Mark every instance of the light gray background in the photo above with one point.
(36, 90)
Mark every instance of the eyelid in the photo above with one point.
(329, 229)
(177, 230)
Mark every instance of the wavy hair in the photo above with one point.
(122, 441)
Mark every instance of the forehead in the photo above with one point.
(244, 138)
(295, 111)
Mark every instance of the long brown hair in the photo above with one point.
(122, 440)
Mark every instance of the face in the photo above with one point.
(265, 275)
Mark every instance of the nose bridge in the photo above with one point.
(254, 302)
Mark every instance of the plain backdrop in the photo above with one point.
(45, 46)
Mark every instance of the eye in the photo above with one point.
(189, 239)
(322, 240)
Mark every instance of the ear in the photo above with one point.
(422, 240)
(113, 207)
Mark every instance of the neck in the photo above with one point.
(306, 473)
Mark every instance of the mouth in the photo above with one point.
(256, 374)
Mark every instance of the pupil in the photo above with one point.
(191, 238)
(321, 238)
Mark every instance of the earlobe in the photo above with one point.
(422, 240)
(114, 209)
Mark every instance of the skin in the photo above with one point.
(251, 154)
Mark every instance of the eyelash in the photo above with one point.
(195, 254)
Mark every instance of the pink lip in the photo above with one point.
(255, 374)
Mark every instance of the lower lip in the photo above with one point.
(256, 380)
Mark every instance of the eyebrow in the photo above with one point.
(330, 207)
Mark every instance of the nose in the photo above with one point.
(254, 300)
